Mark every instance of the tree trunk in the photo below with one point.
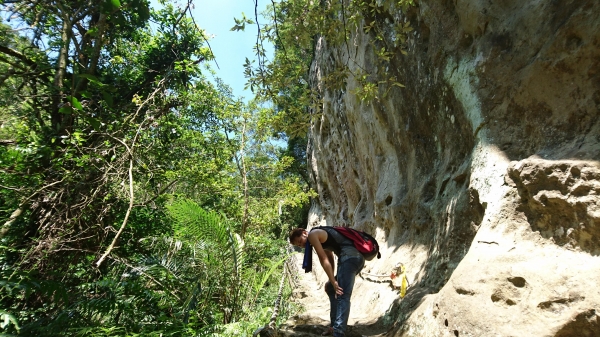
(244, 180)
(56, 117)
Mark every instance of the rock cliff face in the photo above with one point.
(482, 175)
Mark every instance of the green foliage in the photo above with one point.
(295, 28)
(197, 280)
(80, 131)
(112, 133)
(200, 266)
(240, 24)
(6, 320)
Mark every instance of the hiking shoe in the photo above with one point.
(328, 332)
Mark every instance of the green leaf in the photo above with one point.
(88, 76)
(144, 12)
(241, 27)
(107, 98)
(92, 79)
(7, 319)
(109, 6)
(94, 123)
(76, 104)
(92, 31)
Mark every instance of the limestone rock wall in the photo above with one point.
(482, 175)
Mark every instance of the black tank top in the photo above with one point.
(330, 244)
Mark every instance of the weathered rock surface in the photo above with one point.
(482, 175)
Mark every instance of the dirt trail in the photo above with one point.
(314, 319)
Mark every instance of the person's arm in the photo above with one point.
(330, 258)
(316, 237)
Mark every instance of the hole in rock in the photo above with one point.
(443, 186)
(388, 200)
(575, 172)
(518, 282)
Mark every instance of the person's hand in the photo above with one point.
(337, 288)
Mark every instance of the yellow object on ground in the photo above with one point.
(404, 281)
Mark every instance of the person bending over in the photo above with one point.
(327, 241)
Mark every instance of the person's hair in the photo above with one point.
(296, 233)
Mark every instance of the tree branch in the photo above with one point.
(162, 190)
(114, 241)
(6, 142)
(17, 54)
(20, 209)
(205, 39)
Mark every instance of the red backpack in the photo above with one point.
(363, 242)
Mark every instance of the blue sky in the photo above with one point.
(230, 48)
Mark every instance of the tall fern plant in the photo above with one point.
(198, 269)
(217, 254)
(183, 284)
